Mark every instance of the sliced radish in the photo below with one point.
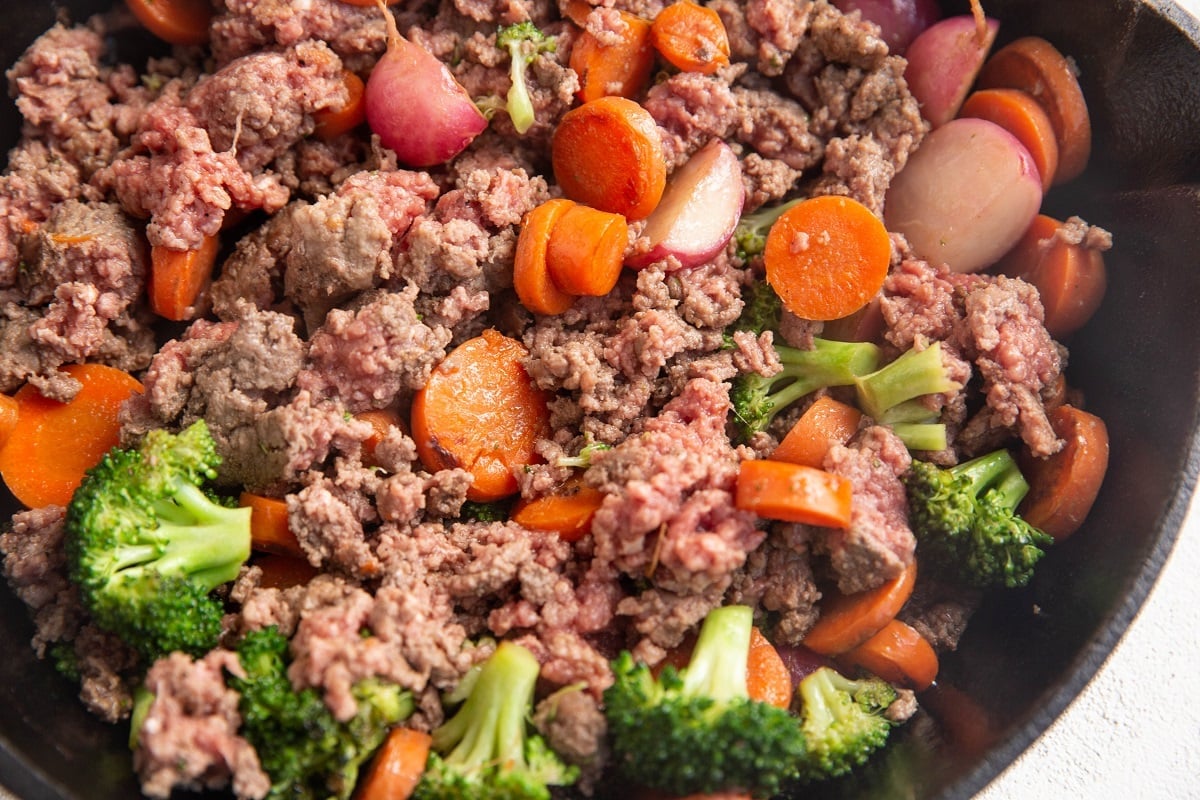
(943, 62)
(698, 211)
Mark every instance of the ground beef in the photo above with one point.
(356, 33)
(878, 544)
(778, 577)
(189, 738)
(573, 725)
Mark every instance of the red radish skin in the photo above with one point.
(698, 211)
(943, 62)
(899, 21)
(415, 105)
(966, 196)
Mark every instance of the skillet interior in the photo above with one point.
(1027, 654)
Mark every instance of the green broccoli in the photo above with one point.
(524, 42)
(306, 751)
(965, 521)
(479, 511)
(889, 395)
(843, 721)
(761, 310)
(487, 749)
(146, 544)
(582, 459)
(750, 235)
(697, 730)
(756, 400)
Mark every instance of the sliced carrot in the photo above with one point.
(397, 767)
(1071, 278)
(382, 421)
(269, 529)
(332, 123)
(568, 513)
(1063, 486)
(608, 154)
(793, 493)
(827, 257)
(369, 2)
(183, 22)
(898, 654)
(481, 412)
(848, 620)
(531, 276)
(178, 278)
(691, 37)
(1035, 66)
(823, 424)
(621, 64)
(586, 251)
(54, 444)
(576, 10)
(1022, 116)
(768, 679)
(9, 412)
(284, 572)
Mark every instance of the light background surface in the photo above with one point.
(1134, 732)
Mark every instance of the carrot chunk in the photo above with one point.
(1064, 486)
(53, 444)
(269, 529)
(183, 22)
(568, 513)
(848, 620)
(397, 767)
(481, 412)
(898, 654)
(793, 493)
(9, 412)
(333, 122)
(608, 154)
(532, 282)
(691, 37)
(823, 424)
(768, 679)
(619, 65)
(179, 278)
(587, 250)
(827, 257)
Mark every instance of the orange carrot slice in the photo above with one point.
(587, 250)
(792, 492)
(332, 123)
(178, 278)
(691, 37)
(568, 513)
(536, 290)
(618, 66)
(848, 620)
(822, 425)
(898, 654)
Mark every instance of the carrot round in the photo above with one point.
(793, 493)
(823, 424)
(898, 654)
(178, 278)
(768, 679)
(608, 154)
(619, 65)
(848, 620)
(587, 250)
(333, 122)
(397, 767)
(1063, 486)
(691, 37)
(183, 22)
(480, 412)
(9, 412)
(568, 513)
(531, 276)
(1035, 66)
(1021, 115)
(269, 529)
(827, 257)
(283, 572)
(53, 444)
(1071, 278)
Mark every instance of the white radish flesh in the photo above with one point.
(698, 211)
(415, 105)
(899, 21)
(943, 62)
(965, 196)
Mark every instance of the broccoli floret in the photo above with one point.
(761, 309)
(478, 511)
(306, 751)
(697, 730)
(750, 235)
(524, 42)
(488, 749)
(965, 521)
(757, 400)
(146, 544)
(843, 721)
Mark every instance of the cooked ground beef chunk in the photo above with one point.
(345, 278)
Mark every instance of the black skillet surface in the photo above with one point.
(1027, 654)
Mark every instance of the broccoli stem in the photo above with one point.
(717, 667)
(996, 474)
(913, 374)
(929, 436)
(195, 532)
(523, 41)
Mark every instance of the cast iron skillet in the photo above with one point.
(1027, 654)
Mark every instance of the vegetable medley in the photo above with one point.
(467, 399)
